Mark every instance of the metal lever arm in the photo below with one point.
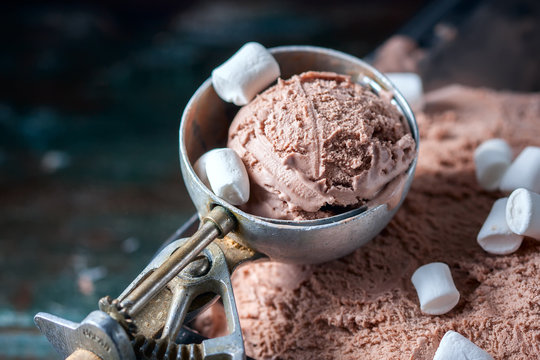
(153, 332)
(150, 344)
(216, 224)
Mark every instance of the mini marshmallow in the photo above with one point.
(200, 169)
(435, 288)
(523, 213)
(410, 86)
(492, 158)
(245, 74)
(454, 346)
(524, 172)
(226, 175)
(495, 236)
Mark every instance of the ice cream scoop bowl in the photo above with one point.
(204, 126)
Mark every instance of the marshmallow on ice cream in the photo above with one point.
(249, 71)
(222, 171)
(318, 144)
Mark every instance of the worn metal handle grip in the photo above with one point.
(217, 223)
(82, 354)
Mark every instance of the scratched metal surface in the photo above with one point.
(90, 98)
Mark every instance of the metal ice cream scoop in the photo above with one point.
(188, 274)
(204, 126)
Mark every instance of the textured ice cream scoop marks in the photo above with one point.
(319, 139)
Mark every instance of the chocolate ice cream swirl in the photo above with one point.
(318, 144)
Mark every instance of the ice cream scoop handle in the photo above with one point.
(216, 224)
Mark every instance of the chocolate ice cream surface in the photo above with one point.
(318, 144)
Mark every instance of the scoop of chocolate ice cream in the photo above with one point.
(317, 144)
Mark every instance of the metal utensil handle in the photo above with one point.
(216, 224)
(149, 344)
(107, 334)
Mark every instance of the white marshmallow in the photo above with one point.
(245, 74)
(491, 159)
(435, 288)
(454, 346)
(200, 169)
(523, 213)
(226, 174)
(409, 85)
(524, 172)
(495, 236)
